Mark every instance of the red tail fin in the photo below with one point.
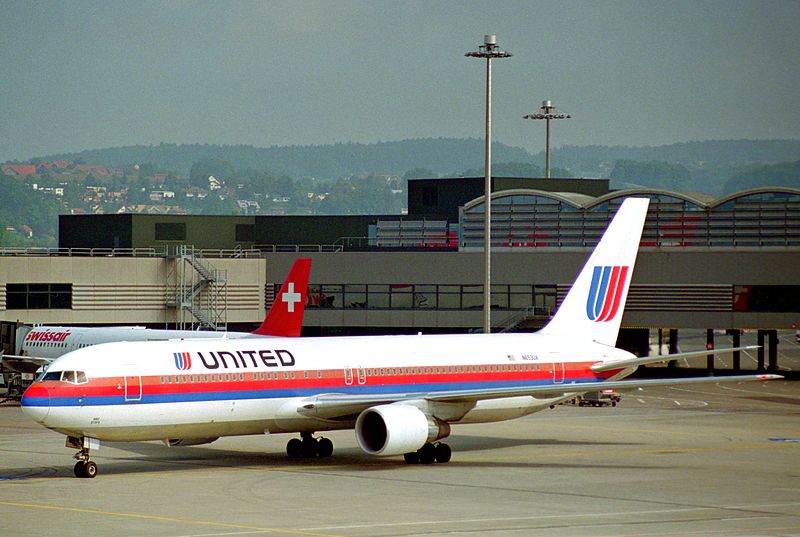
(285, 317)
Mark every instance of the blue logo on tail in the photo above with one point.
(605, 293)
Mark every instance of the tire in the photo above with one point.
(427, 454)
(90, 469)
(294, 448)
(411, 458)
(80, 469)
(309, 449)
(324, 447)
(443, 453)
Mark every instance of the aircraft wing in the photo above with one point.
(633, 362)
(24, 364)
(335, 405)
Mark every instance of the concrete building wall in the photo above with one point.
(669, 277)
(126, 290)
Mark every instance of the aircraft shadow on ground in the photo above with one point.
(149, 457)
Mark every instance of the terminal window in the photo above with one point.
(171, 231)
(245, 232)
(38, 296)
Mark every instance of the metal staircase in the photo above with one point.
(200, 292)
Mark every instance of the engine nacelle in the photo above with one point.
(175, 442)
(396, 429)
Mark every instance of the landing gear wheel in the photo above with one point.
(411, 458)
(443, 453)
(294, 448)
(90, 469)
(427, 454)
(80, 469)
(324, 447)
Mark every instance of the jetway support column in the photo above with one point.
(710, 346)
(673, 344)
(760, 366)
(737, 355)
(773, 351)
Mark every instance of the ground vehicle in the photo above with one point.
(601, 398)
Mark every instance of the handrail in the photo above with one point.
(35, 251)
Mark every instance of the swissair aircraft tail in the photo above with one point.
(285, 317)
(592, 310)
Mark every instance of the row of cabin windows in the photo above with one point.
(51, 344)
(393, 371)
(230, 377)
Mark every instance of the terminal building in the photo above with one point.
(722, 265)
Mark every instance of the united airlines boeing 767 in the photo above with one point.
(401, 394)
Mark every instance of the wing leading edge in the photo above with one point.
(335, 405)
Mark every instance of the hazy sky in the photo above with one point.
(85, 75)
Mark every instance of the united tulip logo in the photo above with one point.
(605, 294)
(183, 360)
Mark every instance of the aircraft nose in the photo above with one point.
(36, 402)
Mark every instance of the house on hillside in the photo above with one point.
(56, 165)
(19, 170)
(97, 170)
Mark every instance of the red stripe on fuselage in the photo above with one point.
(332, 379)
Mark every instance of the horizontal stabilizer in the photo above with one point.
(633, 362)
(23, 364)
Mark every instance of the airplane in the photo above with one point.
(43, 344)
(400, 394)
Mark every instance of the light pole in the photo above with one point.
(489, 51)
(550, 112)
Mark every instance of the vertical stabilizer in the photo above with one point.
(592, 310)
(285, 317)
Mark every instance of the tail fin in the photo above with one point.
(285, 317)
(592, 309)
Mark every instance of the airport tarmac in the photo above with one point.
(703, 461)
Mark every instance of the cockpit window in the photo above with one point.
(50, 375)
(73, 377)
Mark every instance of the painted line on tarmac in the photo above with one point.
(605, 514)
(594, 454)
(159, 518)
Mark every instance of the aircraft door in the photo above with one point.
(558, 367)
(348, 375)
(362, 375)
(133, 384)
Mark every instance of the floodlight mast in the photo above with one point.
(550, 112)
(489, 51)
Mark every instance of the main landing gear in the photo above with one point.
(309, 447)
(85, 467)
(429, 453)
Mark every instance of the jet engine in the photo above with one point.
(175, 442)
(396, 429)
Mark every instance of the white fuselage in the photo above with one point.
(203, 389)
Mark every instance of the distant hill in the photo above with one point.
(783, 174)
(693, 155)
(442, 155)
(712, 165)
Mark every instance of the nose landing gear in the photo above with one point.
(85, 467)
